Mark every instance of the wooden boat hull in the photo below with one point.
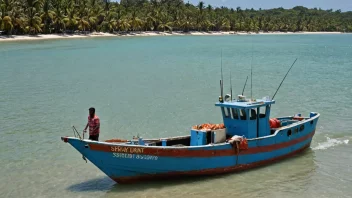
(205, 172)
(126, 163)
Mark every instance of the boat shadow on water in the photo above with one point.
(106, 184)
(304, 165)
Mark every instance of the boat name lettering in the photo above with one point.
(121, 149)
(135, 156)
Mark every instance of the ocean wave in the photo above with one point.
(331, 142)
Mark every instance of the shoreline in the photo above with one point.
(144, 33)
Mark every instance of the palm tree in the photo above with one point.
(47, 15)
(200, 17)
(32, 11)
(35, 16)
(71, 19)
(109, 24)
(6, 24)
(58, 21)
(136, 23)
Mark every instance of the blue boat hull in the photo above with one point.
(126, 163)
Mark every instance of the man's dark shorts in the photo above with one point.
(94, 137)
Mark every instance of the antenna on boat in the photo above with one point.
(251, 80)
(251, 69)
(221, 98)
(230, 85)
(244, 86)
(284, 78)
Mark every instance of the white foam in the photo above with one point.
(330, 143)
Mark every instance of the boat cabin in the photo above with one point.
(242, 117)
(246, 117)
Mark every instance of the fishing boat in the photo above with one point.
(247, 138)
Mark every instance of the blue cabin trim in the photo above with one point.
(246, 118)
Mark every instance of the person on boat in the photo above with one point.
(94, 125)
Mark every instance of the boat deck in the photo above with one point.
(185, 141)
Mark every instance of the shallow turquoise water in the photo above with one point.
(161, 86)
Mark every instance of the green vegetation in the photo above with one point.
(57, 16)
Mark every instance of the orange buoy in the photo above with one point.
(274, 123)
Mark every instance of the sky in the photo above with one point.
(344, 5)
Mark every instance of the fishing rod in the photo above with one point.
(230, 85)
(251, 69)
(222, 79)
(221, 99)
(284, 78)
(251, 81)
(244, 86)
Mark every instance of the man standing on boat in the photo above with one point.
(94, 125)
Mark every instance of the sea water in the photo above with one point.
(161, 87)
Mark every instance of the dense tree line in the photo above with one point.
(56, 16)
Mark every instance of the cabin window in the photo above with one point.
(243, 114)
(289, 132)
(263, 110)
(253, 115)
(301, 128)
(234, 114)
(311, 122)
(296, 130)
(226, 112)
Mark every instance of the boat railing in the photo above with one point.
(294, 124)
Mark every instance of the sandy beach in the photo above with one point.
(176, 33)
